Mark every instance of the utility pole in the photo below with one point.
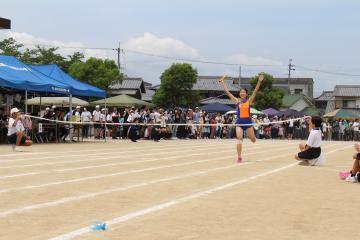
(239, 76)
(118, 55)
(290, 68)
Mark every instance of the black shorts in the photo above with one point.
(291, 130)
(311, 153)
(12, 139)
(358, 156)
(97, 125)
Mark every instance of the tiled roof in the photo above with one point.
(226, 101)
(289, 100)
(213, 85)
(330, 106)
(347, 91)
(127, 83)
(147, 96)
(325, 96)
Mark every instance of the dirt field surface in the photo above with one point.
(176, 189)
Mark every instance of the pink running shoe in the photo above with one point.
(344, 174)
(239, 160)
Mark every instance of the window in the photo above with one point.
(298, 91)
(349, 103)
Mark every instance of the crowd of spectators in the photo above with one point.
(143, 120)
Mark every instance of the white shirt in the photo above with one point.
(291, 123)
(314, 139)
(356, 126)
(97, 116)
(12, 130)
(86, 116)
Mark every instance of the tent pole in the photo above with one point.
(69, 119)
(106, 112)
(26, 105)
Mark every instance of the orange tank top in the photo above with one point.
(244, 109)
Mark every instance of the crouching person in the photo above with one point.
(354, 174)
(134, 131)
(16, 135)
(310, 151)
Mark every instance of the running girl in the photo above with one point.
(243, 113)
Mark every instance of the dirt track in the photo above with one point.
(176, 189)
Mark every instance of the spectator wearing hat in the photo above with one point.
(115, 117)
(86, 118)
(16, 135)
(96, 116)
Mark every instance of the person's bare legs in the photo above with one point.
(19, 136)
(357, 147)
(239, 137)
(356, 165)
(251, 134)
(302, 148)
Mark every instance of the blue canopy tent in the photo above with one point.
(77, 88)
(216, 107)
(17, 75)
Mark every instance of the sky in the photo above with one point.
(319, 35)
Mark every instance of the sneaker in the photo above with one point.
(351, 179)
(239, 160)
(17, 149)
(357, 177)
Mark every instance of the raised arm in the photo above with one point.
(232, 97)
(253, 95)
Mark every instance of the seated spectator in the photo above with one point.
(354, 173)
(134, 131)
(16, 135)
(312, 149)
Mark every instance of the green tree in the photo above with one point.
(97, 72)
(10, 47)
(175, 88)
(267, 96)
(42, 55)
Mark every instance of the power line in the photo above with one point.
(194, 60)
(328, 72)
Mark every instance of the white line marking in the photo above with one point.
(123, 173)
(99, 156)
(19, 175)
(103, 152)
(174, 202)
(119, 189)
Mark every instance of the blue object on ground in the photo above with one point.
(99, 226)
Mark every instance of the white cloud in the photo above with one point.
(149, 43)
(249, 60)
(65, 48)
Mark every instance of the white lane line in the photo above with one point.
(103, 152)
(151, 160)
(174, 202)
(169, 204)
(99, 156)
(155, 145)
(124, 173)
(125, 188)
(19, 175)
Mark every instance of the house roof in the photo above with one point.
(147, 96)
(213, 85)
(290, 100)
(226, 101)
(325, 96)
(347, 91)
(129, 83)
